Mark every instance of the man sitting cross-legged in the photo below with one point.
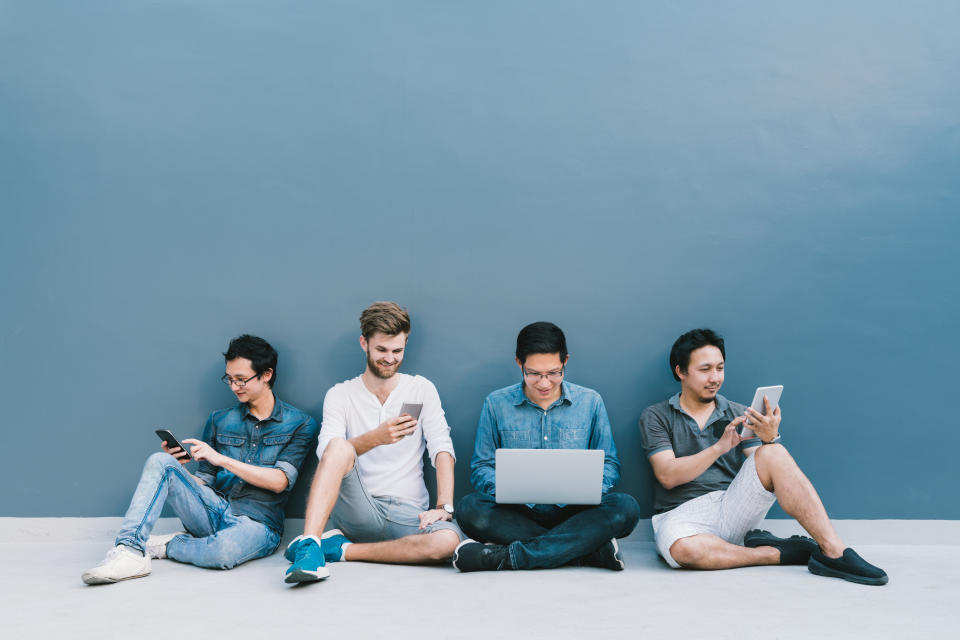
(715, 487)
(370, 478)
(544, 411)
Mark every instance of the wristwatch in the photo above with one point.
(446, 507)
(774, 441)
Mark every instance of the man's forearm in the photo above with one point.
(269, 478)
(444, 465)
(682, 470)
(364, 442)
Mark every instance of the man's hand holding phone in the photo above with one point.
(176, 452)
(396, 429)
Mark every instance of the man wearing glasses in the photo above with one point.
(232, 507)
(542, 412)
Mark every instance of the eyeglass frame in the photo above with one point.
(241, 383)
(537, 377)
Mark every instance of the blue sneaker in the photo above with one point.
(332, 543)
(308, 563)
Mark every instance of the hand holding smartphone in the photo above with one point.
(411, 409)
(172, 443)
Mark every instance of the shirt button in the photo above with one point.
(544, 437)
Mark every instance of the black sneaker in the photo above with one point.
(608, 556)
(471, 555)
(849, 566)
(793, 550)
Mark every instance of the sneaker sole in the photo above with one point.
(820, 569)
(456, 552)
(89, 578)
(302, 575)
(618, 555)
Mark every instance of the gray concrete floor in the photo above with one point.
(42, 595)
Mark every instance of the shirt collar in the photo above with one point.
(276, 415)
(722, 404)
(567, 394)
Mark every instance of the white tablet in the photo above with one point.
(772, 394)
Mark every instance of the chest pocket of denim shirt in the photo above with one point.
(272, 446)
(516, 438)
(572, 437)
(231, 445)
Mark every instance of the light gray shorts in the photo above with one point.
(366, 518)
(728, 514)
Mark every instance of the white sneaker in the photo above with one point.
(157, 545)
(121, 563)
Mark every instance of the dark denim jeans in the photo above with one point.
(546, 535)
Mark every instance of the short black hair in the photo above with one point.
(258, 351)
(541, 337)
(690, 342)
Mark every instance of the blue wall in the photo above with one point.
(175, 173)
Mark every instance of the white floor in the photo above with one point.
(42, 595)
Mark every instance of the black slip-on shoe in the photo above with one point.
(849, 566)
(793, 550)
(471, 555)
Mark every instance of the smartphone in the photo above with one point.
(773, 395)
(172, 442)
(412, 409)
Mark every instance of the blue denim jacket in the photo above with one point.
(509, 420)
(281, 441)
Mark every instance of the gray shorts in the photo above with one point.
(728, 514)
(366, 518)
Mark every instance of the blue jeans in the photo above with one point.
(218, 538)
(547, 536)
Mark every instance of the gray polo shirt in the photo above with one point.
(666, 426)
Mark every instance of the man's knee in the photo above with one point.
(624, 513)
(439, 545)
(688, 552)
(161, 460)
(339, 453)
(474, 513)
(770, 457)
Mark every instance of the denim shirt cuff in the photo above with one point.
(289, 470)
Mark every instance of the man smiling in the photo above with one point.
(370, 478)
(542, 412)
(232, 507)
(715, 486)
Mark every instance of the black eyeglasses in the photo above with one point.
(240, 382)
(534, 376)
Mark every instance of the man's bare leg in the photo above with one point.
(337, 461)
(426, 548)
(779, 473)
(705, 551)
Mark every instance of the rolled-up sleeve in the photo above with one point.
(436, 431)
(206, 471)
(334, 423)
(483, 464)
(291, 457)
(601, 437)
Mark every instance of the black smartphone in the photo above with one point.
(172, 442)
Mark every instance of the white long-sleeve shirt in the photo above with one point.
(396, 470)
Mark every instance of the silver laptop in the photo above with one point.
(549, 476)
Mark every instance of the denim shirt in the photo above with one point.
(509, 420)
(280, 441)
